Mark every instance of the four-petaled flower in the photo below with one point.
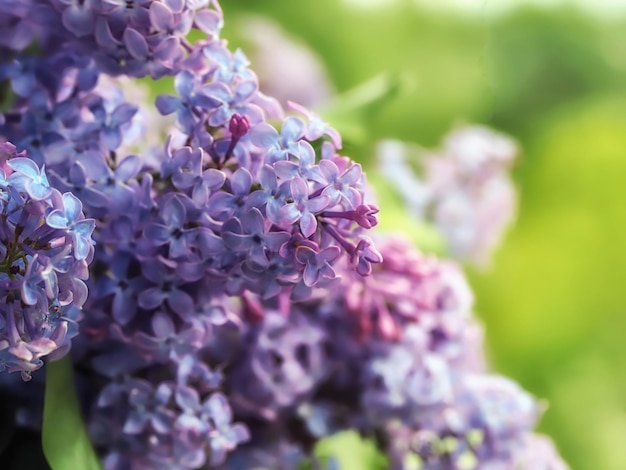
(71, 218)
(318, 265)
(302, 209)
(29, 178)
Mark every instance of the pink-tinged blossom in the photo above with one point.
(540, 453)
(394, 355)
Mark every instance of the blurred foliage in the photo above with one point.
(357, 45)
(66, 443)
(342, 448)
(393, 218)
(553, 301)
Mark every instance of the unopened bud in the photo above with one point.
(238, 126)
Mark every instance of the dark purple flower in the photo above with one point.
(149, 406)
(167, 343)
(79, 16)
(168, 287)
(238, 126)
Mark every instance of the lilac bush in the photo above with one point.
(209, 259)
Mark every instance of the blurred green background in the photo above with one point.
(554, 78)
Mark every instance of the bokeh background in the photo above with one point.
(552, 74)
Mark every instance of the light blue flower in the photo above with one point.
(71, 218)
(29, 178)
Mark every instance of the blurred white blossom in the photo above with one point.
(464, 188)
(287, 68)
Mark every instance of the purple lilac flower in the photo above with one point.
(282, 364)
(72, 219)
(183, 106)
(248, 234)
(80, 143)
(149, 407)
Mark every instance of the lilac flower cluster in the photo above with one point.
(229, 209)
(45, 247)
(396, 356)
(465, 189)
(134, 37)
(228, 316)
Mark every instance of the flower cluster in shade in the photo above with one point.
(464, 189)
(226, 307)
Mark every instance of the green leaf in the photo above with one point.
(66, 443)
(352, 112)
(367, 97)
